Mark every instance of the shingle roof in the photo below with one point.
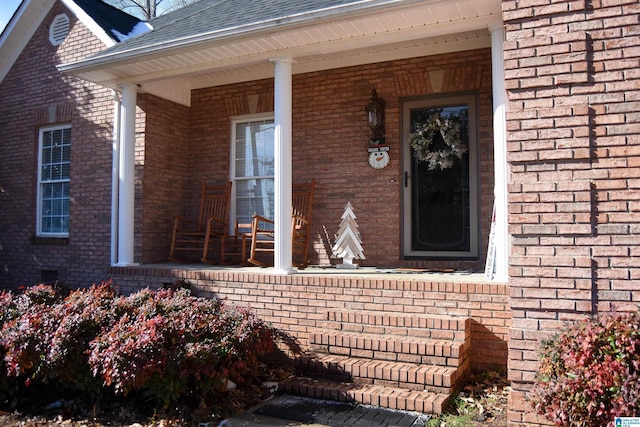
(218, 17)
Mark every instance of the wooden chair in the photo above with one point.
(262, 236)
(195, 237)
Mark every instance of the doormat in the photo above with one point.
(338, 414)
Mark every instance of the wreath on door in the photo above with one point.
(438, 141)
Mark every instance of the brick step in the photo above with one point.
(423, 326)
(376, 395)
(441, 379)
(396, 348)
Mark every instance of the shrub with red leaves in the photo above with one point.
(25, 331)
(170, 345)
(590, 373)
(46, 337)
(178, 347)
(79, 319)
(8, 312)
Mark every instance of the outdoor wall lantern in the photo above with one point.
(378, 151)
(375, 118)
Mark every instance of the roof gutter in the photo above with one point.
(260, 27)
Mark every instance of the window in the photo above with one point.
(252, 169)
(53, 181)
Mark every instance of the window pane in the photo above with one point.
(56, 207)
(64, 190)
(254, 197)
(254, 149)
(56, 154)
(46, 208)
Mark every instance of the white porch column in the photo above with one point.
(500, 101)
(126, 175)
(115, 176)
(283, 251)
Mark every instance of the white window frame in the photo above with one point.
(42, 182)
(248, 118)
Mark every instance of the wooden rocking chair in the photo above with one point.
(262, 236)
(237, 245)
(213, 223)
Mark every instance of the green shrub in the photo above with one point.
(590, 373)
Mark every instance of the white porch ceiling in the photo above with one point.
(399, 29)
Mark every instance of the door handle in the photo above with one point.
(406, 179)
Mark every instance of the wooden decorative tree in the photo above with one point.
(348, 245)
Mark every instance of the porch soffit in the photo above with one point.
(401, 31)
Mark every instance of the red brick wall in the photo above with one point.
(573, 78)
(161, 163)
(32, 89)
(330, 138)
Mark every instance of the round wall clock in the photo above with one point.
(378, 159)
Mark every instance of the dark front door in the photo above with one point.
(440, 178)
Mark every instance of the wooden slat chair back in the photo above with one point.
(302, 202)
(262, 236)
(195, 237)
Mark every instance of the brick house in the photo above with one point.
(550, 95)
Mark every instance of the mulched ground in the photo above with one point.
(134, 410)
(485, 397)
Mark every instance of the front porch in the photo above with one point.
(274, 112)
(305, 86)
(416, 332)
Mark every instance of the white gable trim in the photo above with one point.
(20, 30)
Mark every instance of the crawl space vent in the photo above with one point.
(59, 29)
